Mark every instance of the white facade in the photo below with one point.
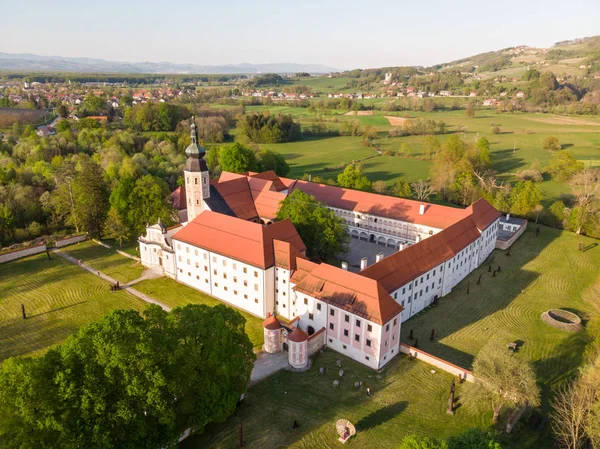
(197, 188)
(155, 250)
(242, 285)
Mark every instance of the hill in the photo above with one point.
(37, 63)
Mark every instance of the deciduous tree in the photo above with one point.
(353, 178)
(237, 159)
(324, 234)
(503, 379)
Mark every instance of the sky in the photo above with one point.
(343, 34)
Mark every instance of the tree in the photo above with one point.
(416, 442)
(380, 187)
(503, 379)
(237, 159)
(147, 202)
(524, 197)
(422, 190)
(559, 212)
(266, 128)
(571, 407)
(128, 381)
(551, 143)
(402, 189)
(470, 110)
(114, 228)
(563, 166)
(485, 158)
(474, 439)
(91, 198)
(353, 178)
(62, 110)
(324, 234)
(405, 149)
(432, 146)
(586, 188)
(272, 160)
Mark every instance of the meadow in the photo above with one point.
(517, 146)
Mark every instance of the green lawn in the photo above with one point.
(540, 273)
(175, 294)
(106, 260)
(406, 398)
(59, 298)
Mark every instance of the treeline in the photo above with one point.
(78, 180)
(53, 77)
(153, 116)
(267, 128)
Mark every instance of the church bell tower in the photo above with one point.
(197, 187)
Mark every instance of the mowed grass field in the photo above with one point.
(175, 294)
(106, 260)
(59, 298)
(541, 273)
(407, 398)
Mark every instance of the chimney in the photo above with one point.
(401, 246)
(345, 266)
(507, 217)
(422, 209)
(378, 257)
(363, 263)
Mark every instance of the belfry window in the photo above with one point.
(195, 180)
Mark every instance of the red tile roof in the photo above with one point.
(286, 255)
(402, 267)
(271, 323)
(242, 240)
(435, 216)
(270, 175)
(178, 199)
(236, 193)
(348, 291)
(298, 336)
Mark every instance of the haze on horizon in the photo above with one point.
(344, 35)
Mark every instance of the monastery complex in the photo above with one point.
(230, 246)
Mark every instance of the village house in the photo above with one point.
(231, 246)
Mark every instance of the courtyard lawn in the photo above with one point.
(106, 260)
(59, 298)
(175, 294)
(540, 273)
(406, 398)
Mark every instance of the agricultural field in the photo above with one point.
(407, 398)
(539, 274)
(518, 145)
(59, 298)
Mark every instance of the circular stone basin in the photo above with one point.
(562, 319)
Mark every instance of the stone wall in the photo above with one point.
(316, 341)
(70, 240)
(18, 253)
(505, 244)
(437, 362)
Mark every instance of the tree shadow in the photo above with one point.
(57, 309)
(505, 161)
(591, 246)
(381, 416)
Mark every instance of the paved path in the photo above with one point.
(131, 290)
(149, 273)
(267, 364)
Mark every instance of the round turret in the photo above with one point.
(298, 349)
(272, 334)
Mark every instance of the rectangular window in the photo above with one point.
(357, 323)
(197, 265)
(235, 292)
(245, 296)
(224, 263)
(403, 290)
(306, 301)
(216, 284)
(245, 283)
(368, 343)
(235, 266)
(311, 316)
(205, 256)
(395, 295)
(356, 337)
(205, 268)
(332, 312)
(369, 328)
(331, 326)
(344, 346)
(214, 258)
(197, 277)
(256, 300)
(366, 357)
(179, 258)
(245, 270)
(345, 332)
(256, 274)
(224, 275)
(387, 327)
(347, 318)
(330, 340)
(225, 288)
(255, 287)
(318, 306)
(421, 293)
(235, 279)
(187, 249)
(395, 321)
(188, 261)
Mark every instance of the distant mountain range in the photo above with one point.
(37, 63)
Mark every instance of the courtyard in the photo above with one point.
(362, 248)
